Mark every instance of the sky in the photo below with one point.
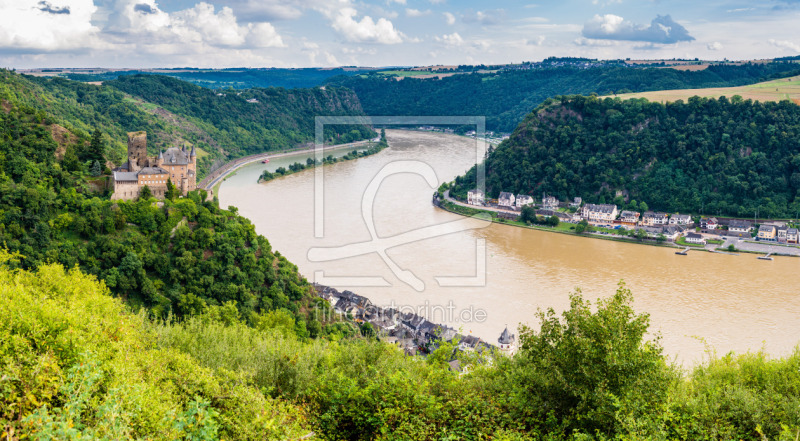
(325, 33)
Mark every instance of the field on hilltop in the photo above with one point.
(775, 90)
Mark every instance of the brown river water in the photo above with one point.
(480, 277)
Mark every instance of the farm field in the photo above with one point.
(775, 90)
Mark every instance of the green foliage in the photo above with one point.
(505, 97)
(77, 365)
(709, 155)
(579, 374)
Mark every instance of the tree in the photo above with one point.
(585, 369)
(97, 148)
(70, 161)
(528, 214)
(145, 193)
(643, 206)
(582, 226)
(96, 169)
(172, 191)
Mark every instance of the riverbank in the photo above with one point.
(750, 247)
(217, 176)
(267, 176)
(461, 209)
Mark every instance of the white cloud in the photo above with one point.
(582, 41)
(784, 44)
(662, 30)
(538, 41)
(193, 30)
(488, 17)
(714, 46)
(450, 18)
(34, 25)
(410, 12)
(437, 2)
(451, 39)
(366, 30)
(400, 2)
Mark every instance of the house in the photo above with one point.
(781, 235)
(523, 200)
(709, 223)
(792, 235)
(671, 232)
(629, 217)
(739, 226)
(576, 202)
(767, 232)
(507, 342)
(653, 218)
(475, 197)
(469, 343)
(695, 238)
(549, 203)
(599, 212)
(506, 199)
(680, 219)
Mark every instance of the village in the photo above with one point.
(711, 233)
(410, 332)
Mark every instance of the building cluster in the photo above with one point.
(654, 224)
(177, 165)
(410, 332)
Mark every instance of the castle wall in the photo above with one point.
(125, 190)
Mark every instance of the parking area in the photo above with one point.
(761, 247)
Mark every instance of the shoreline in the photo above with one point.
(666, 244)
(217, 176)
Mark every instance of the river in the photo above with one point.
(697, 302)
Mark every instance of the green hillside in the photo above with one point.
(505, 97)
(718, 156)
(174, 112)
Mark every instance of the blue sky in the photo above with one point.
(282, 33)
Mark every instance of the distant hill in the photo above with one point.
(715, 156)
(232, 78)
(506, 96)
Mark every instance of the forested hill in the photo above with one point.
(505, 97)
(177, 257)
(223, 127)
(273, 118)
(714, 156)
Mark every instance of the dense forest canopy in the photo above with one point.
(710, 156)
(505, 97)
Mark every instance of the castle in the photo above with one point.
(176, 164)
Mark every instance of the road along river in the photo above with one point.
(728, 303)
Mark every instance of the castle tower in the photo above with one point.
(137, 150)
(507, 342)
(193, 160)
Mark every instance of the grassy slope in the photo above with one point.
(776, 90)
